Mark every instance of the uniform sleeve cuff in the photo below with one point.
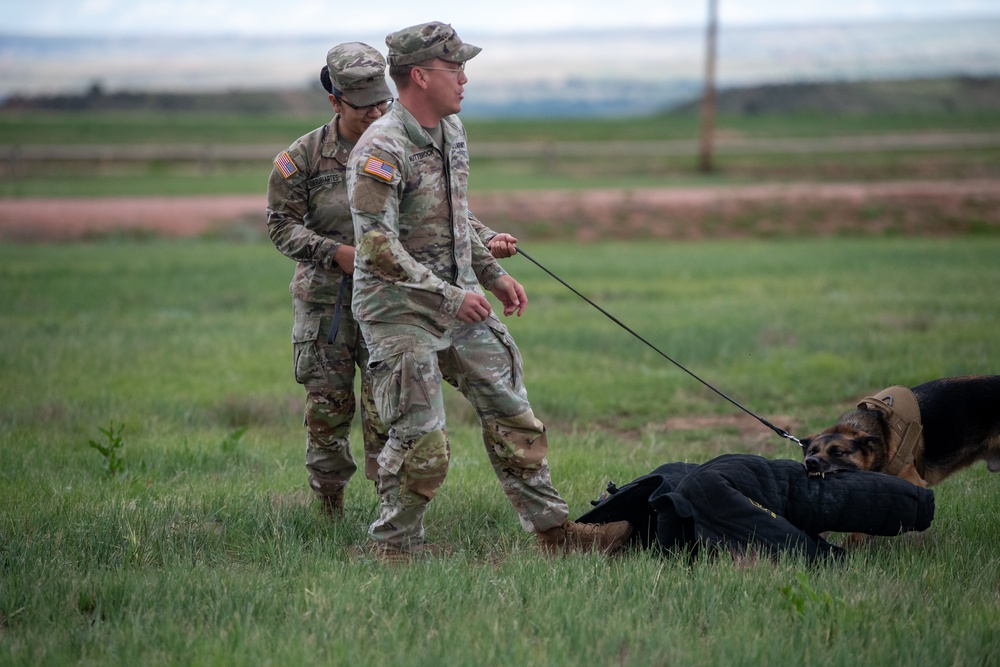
(453, 297)
(491, 274)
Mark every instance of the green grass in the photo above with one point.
(145, 127)
(242, 128)
(492, 175)
(209, 550)
(139, 181)
(165, 177)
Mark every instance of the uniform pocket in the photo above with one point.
(385, 388)
(309, 360)
(391, 457)
(499, 330)
(400, 387)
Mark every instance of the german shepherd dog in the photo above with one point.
(960, 422)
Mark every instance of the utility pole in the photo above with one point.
(708, 95)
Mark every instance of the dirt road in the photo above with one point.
(916, 207)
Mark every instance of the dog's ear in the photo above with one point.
(866, 442)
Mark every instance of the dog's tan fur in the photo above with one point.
(961, 425)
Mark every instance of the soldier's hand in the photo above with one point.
(344, 257)
(511, 295)
(474, 308)
(502, 245)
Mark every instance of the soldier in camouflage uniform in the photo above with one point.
(418, 271)
(309, 220)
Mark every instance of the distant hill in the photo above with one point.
(941, 95)
(524, 74)
(945, 95)
(296, 102)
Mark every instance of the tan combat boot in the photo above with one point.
(333, 504)
(605, 538)
(383, 553)
(393, 555)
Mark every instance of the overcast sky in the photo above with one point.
(313, 17)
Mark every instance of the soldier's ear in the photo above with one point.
(418, 77)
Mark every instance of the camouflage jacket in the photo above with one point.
(308, 216)
(416, 253)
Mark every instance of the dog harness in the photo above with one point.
(902, 413)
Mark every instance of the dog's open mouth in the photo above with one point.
(815, 473)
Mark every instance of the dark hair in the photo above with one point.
(400, 74)
(324, 78)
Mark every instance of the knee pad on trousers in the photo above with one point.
(519, 440)
(328, 416)
(421, 465)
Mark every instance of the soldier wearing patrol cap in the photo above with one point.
(309, 221)
(418, 280)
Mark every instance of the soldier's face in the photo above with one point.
(355, 120)
(446, 86)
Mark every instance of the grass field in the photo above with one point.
(205, 547)
(105, 177)
(144, 127)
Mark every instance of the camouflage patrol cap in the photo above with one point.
(357, 71)
(420, 43)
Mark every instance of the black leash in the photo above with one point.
(780, 431)
(338, 308)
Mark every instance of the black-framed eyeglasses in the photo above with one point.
(382, 106)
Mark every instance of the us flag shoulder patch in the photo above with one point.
(379, 168)
(284, 165)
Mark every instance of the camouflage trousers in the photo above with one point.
(327, 371)
(481, 360)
